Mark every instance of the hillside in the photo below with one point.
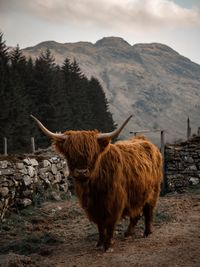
(152, 81)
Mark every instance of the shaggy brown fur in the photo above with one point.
(113, 180)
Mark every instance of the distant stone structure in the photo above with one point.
(182, 163)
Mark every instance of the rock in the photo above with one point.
(59, 165)
(192, 168)
(43, 176)
(4, 164)
(47, 181)
(58, 177)
(20, 165)
(55, 195)
(192, 146)
(54, 168)
(44, 170)
(31, 171)
(16, 183)
(27, 180)
(50, 176)
(1, 206)
(18, 176)
(6, 171)
(35, 179)
(54, 159)
(34, 162)
(23, 171)
(189, 159)
(25, 202)
(11, 183)
(46, 163)
(27, 193)
(194, 181)
(64, 187)
(4, 191)
(27, 161)
(13, 194)
(4, 183)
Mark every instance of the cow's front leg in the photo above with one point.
(109, 242)
(102, 235)
(148, 215)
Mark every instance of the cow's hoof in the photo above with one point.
(128, 234)
(147, 233)
(99, 243)
(108, 245)
(109, 250)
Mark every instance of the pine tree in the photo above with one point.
(99, 106)
(18, 101)
(43, 92)
(64, 107)
(3, 52)
(4, 93)
(44, 76)
(75, 70)
(80, 105)
(4, 67)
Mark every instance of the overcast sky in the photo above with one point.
(172, 22)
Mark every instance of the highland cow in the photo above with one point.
(112, 181)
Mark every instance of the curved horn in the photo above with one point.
(116, 132)
(47, 132)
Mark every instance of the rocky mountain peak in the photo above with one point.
(48, 44)
(112, 42)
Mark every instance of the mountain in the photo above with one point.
(160, 87)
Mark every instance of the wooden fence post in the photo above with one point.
(188, 129)
(198, 131)
(5, 147)
(33, 144)
(164, 183)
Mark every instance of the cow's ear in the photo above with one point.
(103, 143)
(58, 146)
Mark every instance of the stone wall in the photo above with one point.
(23, 180)
(182, 164)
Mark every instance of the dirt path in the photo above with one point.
(59, 234)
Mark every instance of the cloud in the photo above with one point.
(144, 14)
